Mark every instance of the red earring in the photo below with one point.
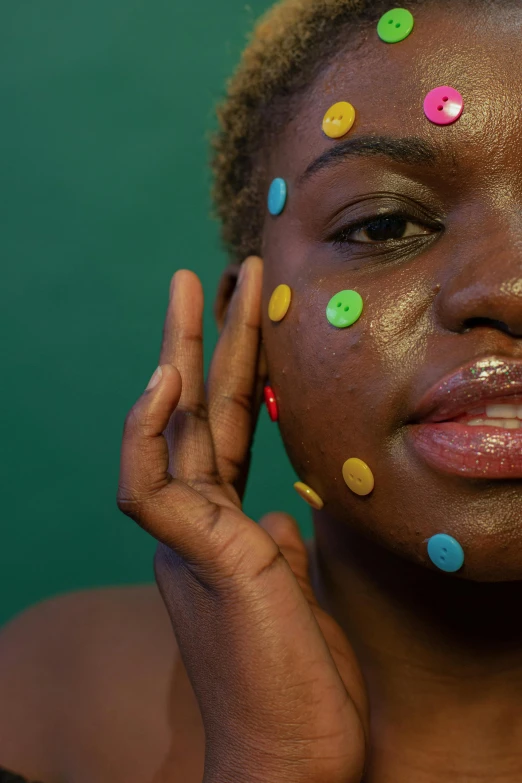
(270, 402)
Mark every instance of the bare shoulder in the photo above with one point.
(93, 688)
(87, 680)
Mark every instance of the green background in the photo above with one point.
(106, 107)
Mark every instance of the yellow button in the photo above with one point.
(308, 494)
(279, 302)
(358, 476)
(338, 119)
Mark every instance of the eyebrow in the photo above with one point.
(409, 149)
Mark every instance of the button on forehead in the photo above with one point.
(443, 105)
(387, 85)
(338, 119)
(395, 25)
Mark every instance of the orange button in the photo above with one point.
(338, 119)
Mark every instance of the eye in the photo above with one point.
(381, 229)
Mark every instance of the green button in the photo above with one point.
(344, 308)
(395, 25)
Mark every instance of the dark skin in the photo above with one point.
(441, 653)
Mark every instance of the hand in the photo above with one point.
(280, 691)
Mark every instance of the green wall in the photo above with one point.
(106, 110)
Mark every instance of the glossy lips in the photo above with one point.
(480, 381)
(453, 447)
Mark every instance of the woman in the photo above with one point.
(388, 649)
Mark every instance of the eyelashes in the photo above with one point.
(383, 229)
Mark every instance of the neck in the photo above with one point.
(441, 656)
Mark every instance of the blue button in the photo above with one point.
(445, 552)
(277, 196)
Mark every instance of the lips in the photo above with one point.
(440, 435)
(483, 381)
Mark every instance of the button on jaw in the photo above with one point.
(308, 494)
(445, 552)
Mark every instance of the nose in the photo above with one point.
(483, 287)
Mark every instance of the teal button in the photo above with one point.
(395, 25)
(344, 308)
(277, 196)
(445, 552)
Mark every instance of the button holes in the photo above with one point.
(359, 480)
(442, 557)
(444, 549)
(390, 21)
(339, 304)
(444, 99)
(397, 25)
(351, 476)
(346, 308)
(440, 108)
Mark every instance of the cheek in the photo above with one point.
(326, 386)
(341, 391)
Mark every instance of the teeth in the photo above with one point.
(507, 424)
(504, 411)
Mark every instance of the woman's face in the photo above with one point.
(446, 294)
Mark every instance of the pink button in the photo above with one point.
(443, 105)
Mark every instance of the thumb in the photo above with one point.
(283, 528)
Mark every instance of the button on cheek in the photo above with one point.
(344, 309)
(358, 476)
(279, 302)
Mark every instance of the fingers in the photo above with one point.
(168, 508)
(188, 433)
(236, 376)
(286, 533)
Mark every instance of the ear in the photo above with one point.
(226, 287)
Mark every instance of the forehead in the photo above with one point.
(476, 50)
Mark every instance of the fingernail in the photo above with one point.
(156, 378)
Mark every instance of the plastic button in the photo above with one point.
(279, 302)
(443, 105)
(445, 552)
(338, 119)
(358, 476)
(271, 403)
(307, 493)
(344, 308)
(395, 25)
(277, 196)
